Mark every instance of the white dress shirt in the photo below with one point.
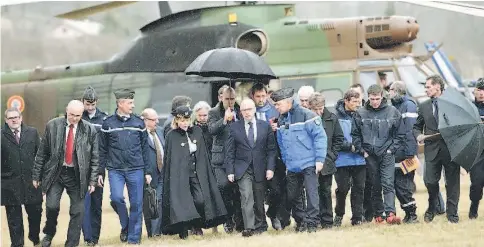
(254, 126)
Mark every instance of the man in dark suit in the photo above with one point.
(249, 161)
(436, 153)
(156, 153)
(19, 145)
(220, 117)
(68, 159)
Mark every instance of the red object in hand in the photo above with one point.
(69, 145)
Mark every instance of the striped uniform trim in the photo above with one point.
(409, 204)
(301, 123)
(409, 115)
(96, 125)
(121, 129)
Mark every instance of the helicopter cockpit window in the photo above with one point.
(414, 80)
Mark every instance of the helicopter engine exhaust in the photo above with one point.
(388, 32)
(254, 41)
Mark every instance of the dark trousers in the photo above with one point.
(307, 179)
(16, 223)
(382, 174)
(91, 225)
(67, 180)
(367, 203)
(231, 197)
(325, 200)
(477, 182)
(252, 201)
(353, 177)
(277, 195)
(432, 174)
(404, 188)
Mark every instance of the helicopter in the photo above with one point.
(328, 54)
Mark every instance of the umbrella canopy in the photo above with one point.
(230, 63)
(461, 128)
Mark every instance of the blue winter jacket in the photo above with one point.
(123, 144)
(408, 109)
(346, 157)
(301, 138)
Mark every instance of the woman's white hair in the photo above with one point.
(200, 105)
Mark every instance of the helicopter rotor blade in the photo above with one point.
(84, 12)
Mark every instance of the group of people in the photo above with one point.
(213, 166)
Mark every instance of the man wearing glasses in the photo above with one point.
(19, 145)
(156, 151)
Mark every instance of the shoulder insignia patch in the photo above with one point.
(317, 121)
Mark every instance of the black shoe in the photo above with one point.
(183, 235)
(247, 233)
(338, 220)
(35, 242)
(47, 241)
(90, 243)
(276, 224)
(473, 210)
(410, 218)
(453, 219)
(197, 231)
(229, 227)
(356, 222)
(429, 216)
(301, 227)
(123, 236)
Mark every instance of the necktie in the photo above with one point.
(17, 138)
(159, 158)
(436, 110)
(250, 136)
(69, 145)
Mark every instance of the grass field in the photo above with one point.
(438, 233)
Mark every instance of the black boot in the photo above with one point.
(410, 215)
(473, 210)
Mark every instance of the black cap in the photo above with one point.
(381, 74)
(89, 94)
(480, 84)
(182, 112)
(124, 94)
(283, 93)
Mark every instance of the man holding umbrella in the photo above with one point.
(436, 153)
(477, 172)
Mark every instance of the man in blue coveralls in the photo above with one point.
(302, 141)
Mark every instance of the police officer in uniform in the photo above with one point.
(91, 225)
(124, 151)
(303, 144)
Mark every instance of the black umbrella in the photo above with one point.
(230, 63)
(461, 128)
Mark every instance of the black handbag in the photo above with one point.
(150, 203)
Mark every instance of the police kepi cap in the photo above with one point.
(182, 112)
(89, 94)
(480, 84)
(124, 94)
(283, 93)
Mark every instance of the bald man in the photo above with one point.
(250, 161)
(67, 159)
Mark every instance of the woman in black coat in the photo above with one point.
(191, 198)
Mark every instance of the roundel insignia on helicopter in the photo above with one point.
(16, 101)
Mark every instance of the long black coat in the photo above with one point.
(50, 156)
(335, 140)
(17, 163)
(178, 206)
